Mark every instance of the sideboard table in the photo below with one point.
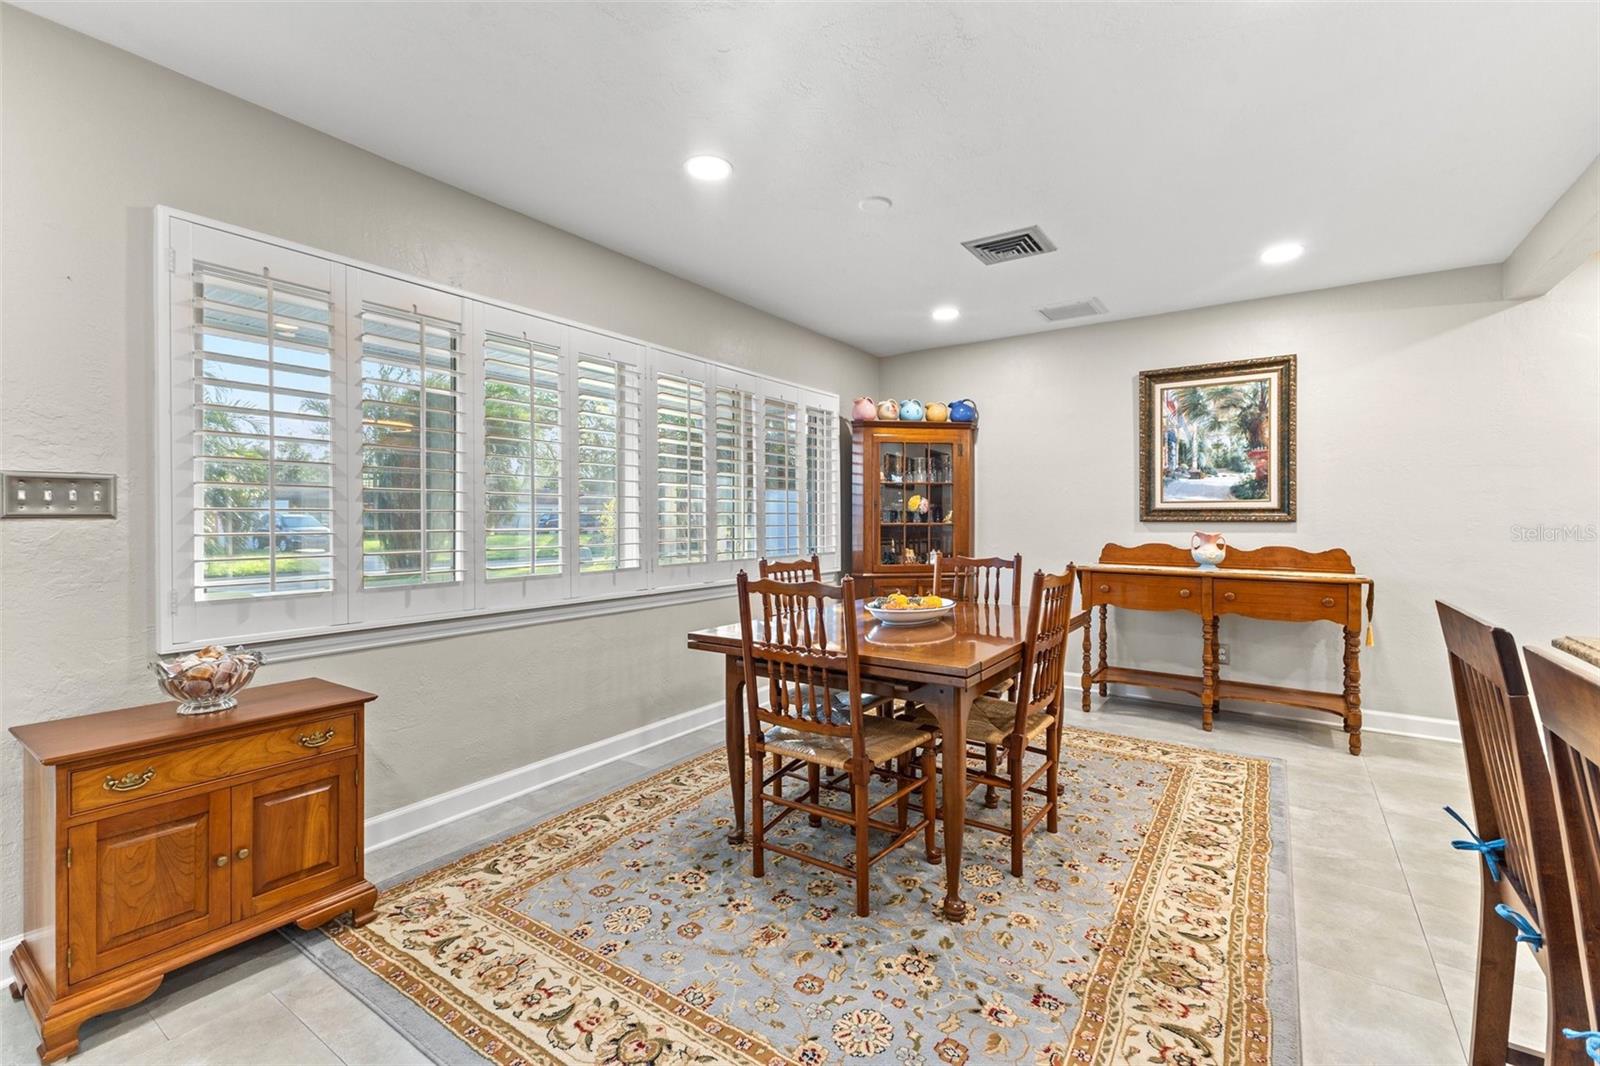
(1279, 584)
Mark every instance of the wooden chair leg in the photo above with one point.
(860, 774)
(1014, 768)
(902, 807)
(757, 815)
(930, 803)
(814, 790)
(1497, 969)
(991, 799)
(1052, 776)
(777, 785)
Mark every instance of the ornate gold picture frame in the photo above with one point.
(1217, 442)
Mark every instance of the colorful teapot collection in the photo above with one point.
(866, 410)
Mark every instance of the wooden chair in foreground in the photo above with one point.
(1016, 725)
(981, 581)
(1524, 888)
(1568, 694)
(800, 722)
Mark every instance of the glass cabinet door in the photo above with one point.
(916, 490)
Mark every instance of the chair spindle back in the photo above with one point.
(803, 668)
(795, 570)
(977, 580)
(1045, 654)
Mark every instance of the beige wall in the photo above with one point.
(1433, 418)
(93, 139)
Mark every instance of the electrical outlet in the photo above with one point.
(1222, 655)
(29, 495)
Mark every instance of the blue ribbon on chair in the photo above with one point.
(1491, 850)
(1590, 1038)
(1526, 933)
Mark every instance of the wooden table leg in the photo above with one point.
(1208, 671)
(1086, 672)
(1352, 688)
(734, 697)
(951, 710)
(1104, 610)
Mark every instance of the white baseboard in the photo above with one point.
(1390, 722)
(423, 815)
(7, 946)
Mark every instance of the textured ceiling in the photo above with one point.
(1159, 146)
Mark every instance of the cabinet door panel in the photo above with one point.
(144, 881)
(294, 833)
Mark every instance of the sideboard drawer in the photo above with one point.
(135, 779)
(1282, 601)
(1146, 592)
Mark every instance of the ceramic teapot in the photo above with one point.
(963, 411)
(936, 412)
(1208, 549)
(888, 410)
(911, 411)
(864, 410)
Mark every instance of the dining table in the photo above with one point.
(943, 665)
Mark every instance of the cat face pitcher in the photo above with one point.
(1208, 549)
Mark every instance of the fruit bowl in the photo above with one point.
(206, 680)
(902, 610)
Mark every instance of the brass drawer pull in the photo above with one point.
(1327, 601)
(1228, 596)
(130, 781)
(244, 853)
(222, 860)
(1105, 588)
(315, 740)
(1183, 594)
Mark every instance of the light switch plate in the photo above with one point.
(41, 495)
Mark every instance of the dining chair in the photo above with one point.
(1567, 691)
(1524, 895)
(795, 570)
(1016, 724)
(981, 581)
(801, 723)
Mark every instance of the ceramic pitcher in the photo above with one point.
(889, 410)
(1208, 549)
(911, 411)
(963, 411)
(864, 410)
(936, 412)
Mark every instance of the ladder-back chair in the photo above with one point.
(795, 570)
(1568, 694)
(1524, 893)
(800, 721)
(984, 582)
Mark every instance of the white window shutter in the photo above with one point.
(781, 518)
(606, 507)
(736, 471)
(683, 427)
(822, 452)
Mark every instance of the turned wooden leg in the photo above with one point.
(1014, 768)
(1086, 670)
(952, 711)
(930, 802)
(814, 791)
(758, 863)
(1104, 610)
(860, 773)
(1352, 688)
(733, 696)
(1208, 678)
(991, 799)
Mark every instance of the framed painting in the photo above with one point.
(1216, 442)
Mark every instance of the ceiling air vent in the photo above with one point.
(1004, 247)
(1081, 309)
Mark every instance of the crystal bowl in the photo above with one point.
(207, 680)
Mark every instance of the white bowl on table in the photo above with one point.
(909, 616)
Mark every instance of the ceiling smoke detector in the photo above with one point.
(1081, 309)
(1005, 247)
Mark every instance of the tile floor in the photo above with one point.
(1384, 916)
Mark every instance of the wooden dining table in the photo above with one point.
(944, 666)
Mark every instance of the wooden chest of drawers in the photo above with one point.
(153, 840)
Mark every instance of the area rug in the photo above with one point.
(1153, 928)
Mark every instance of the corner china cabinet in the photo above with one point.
(912, 496)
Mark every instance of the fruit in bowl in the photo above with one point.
(901, 608)
(207, 680)
(899, 601)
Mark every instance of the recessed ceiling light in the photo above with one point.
(1283, 253)
(947, 313)
(707, 167)
(875, 205)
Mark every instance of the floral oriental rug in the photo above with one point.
(1153, 928)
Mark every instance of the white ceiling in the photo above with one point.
(1160, 146)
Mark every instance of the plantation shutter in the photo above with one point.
(682, 407)
(822, 479)
(607, 506)
(737, 473)
(780, 496)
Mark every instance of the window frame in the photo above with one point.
(350, 616)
